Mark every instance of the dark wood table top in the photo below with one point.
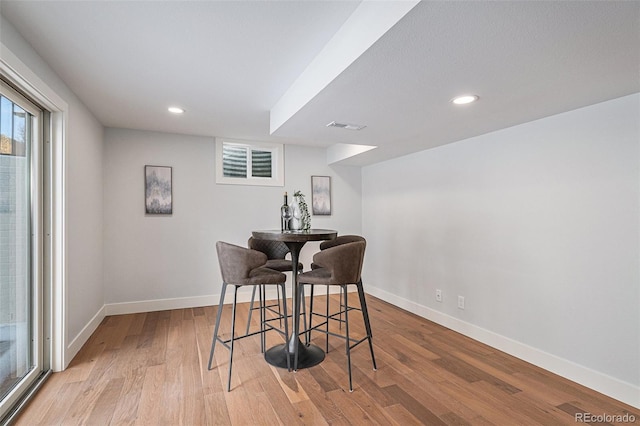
(296, 236)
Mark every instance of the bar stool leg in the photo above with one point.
(253, 297)
(367, 324)
(348, 342)
(263, 317)
(303, 308)
(279, 308)
(286, 327)
(340, 317)
(233, 329)
(308, 333)
(215, 331)
(327, 319)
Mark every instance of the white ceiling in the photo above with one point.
(229, 63)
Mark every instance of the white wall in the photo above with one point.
(84, 220)
(537, 226)
(151, 258)
(84, 212)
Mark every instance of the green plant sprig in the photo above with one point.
(304, 210)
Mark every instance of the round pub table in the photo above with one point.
(310, 355)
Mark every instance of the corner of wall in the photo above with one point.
(76, 344)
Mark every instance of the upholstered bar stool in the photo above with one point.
(341, 265)
(245, 267)
(339, 240)
(276, 252)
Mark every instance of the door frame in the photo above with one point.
(39, 362)
(20, 76)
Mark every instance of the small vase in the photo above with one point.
(296, 215)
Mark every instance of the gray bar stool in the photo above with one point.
(341, 265)
(245, 267)
(276, 252)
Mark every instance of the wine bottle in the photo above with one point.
(285, 214)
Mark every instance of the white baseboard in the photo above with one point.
(76, 344)
(244, 295)
(607, 385)
(161, 304)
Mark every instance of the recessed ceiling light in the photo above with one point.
(465, 99)
(176, 110)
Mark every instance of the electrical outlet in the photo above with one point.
(438, 295)
(460, 302)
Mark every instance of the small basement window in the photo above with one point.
(249, 163)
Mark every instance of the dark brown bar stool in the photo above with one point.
(341, 239)
(276, 252)
(341, 265)
(245, 267)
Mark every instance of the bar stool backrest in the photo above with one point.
(237, 262)
(273, 249)
(343, 261)
(341, 239)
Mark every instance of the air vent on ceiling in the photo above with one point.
(346, 126)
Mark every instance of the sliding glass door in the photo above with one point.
(21, 247)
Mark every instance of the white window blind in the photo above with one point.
(249, 163)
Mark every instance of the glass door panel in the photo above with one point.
(20, 270)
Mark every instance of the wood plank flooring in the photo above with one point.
(151, 369)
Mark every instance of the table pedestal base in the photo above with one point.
(308, 356)
(311, 355)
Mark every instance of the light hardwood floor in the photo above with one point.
(150, 369)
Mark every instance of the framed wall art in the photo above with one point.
(321, 195)
(158, 198)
